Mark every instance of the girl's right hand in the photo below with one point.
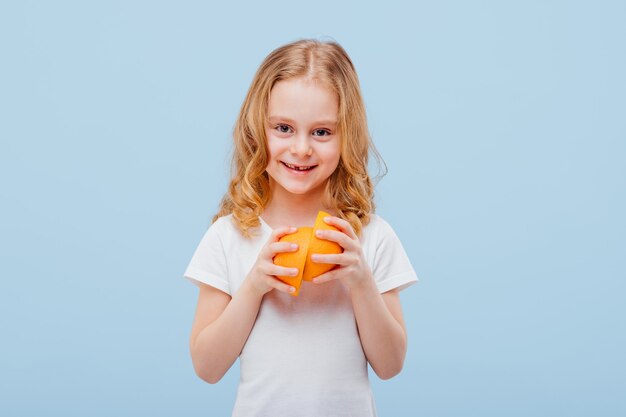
(262, 276)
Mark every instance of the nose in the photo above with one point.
(301, 145)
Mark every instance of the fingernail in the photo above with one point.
(291, 289)
(318, 233)
(294, 246)
(293, 229)
(326, 219)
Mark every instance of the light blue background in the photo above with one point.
(503, 128)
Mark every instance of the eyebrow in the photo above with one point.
(326, 122)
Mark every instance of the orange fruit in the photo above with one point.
(308, 244)
(295, 259)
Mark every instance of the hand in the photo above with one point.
(262, 276)
(351, 269)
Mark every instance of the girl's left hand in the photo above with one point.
(351, 269)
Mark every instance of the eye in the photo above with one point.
(323, 130)
(280, 126)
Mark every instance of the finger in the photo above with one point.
(282, 231)
(275, 237)
(277, 247)
(325, 277)
(329, 258)
(283, 271)
(334, 236)
(281, 286)
(342, 225)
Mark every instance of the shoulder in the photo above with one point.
(217, 231)
(379, 235)
(223, 225)
(373, 233)
(376, 227)
(224, 220)
(229, 231)
(391, 266)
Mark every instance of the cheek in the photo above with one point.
(332, 154)
(273, 146)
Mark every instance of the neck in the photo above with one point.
(287, 209)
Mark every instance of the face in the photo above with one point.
(302, 131)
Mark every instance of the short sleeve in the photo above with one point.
(392, 268)
(208, 263)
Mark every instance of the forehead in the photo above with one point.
(303, 101)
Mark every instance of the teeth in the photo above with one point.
(297, 168)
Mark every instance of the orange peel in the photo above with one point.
(308, 244)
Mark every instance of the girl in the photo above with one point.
(301, 145)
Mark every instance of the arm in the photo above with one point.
(222, 323)
(381, 327)
(220, 329)
(378, 317)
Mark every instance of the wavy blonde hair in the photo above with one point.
(349, 189)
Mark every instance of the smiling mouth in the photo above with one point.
(298, 168)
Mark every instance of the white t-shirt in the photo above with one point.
(303, 357)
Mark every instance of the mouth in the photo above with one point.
(298, 168)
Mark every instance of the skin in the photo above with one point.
(301, 130)
(295, 135)
(378, 316)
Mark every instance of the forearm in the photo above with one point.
(382, 337)
(219, 344)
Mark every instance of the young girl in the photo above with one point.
(301, 145)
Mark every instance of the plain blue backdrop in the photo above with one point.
(502, 125)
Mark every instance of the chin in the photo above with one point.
(298, 191)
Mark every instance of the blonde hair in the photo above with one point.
(349, 189)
